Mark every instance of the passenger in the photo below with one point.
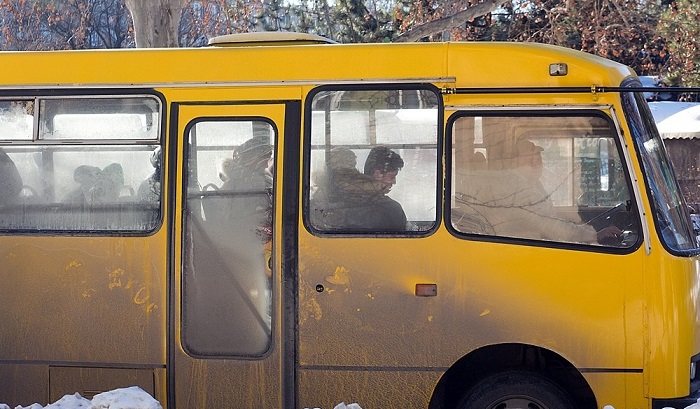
(246, 198)
(347, 199)
(86, 177)
(231, 253)
(246, 176)
(110, 183)
(383, 165)
(149, 189)
(97, 185)
(341, 177)
(225, 169)
(336, 190)
(518, 205)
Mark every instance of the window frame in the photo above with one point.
(308, 147)
(602, 111)
(190, 150)
(55, 145)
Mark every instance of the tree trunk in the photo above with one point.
(156, 22)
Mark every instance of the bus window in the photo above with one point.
(373, 161)
(228, 232)
(99, 118)
(16, 120)
(557, 178)
(670, 210)
(94, 179)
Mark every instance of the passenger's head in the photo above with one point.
(383, 165)
(253, 154)
(156, 161)
(529, 156)
(342, 157)
(100, 185)
(226, 169)
(111, 182)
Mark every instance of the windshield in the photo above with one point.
(670, 211)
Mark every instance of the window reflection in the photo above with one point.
(548, 178)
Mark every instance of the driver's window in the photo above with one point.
(557, 179)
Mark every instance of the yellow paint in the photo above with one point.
(340, 277)
(73, 264)
(115, 278)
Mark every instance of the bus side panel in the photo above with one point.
(23, 383)
(367, 317)
(401, 389)
(619, 390)
(672, 284)
(80, 301)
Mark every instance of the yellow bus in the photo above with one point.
(277, 221)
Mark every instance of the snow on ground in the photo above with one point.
(124, 398)
(136, 398)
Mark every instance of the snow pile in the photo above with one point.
(125, 398)
(695, 405)
(342, 405)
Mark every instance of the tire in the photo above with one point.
(516, 390)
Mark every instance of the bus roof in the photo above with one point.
(478, 64)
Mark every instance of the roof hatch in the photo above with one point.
(264, 38)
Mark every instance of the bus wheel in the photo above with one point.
(516, 389)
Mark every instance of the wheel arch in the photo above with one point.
(491, 359)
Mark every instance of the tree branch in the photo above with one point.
(446, 23)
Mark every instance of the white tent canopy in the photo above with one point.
(677, 120)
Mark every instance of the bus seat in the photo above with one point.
(127, 194)
(29, 194)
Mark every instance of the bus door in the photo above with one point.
(226, 349)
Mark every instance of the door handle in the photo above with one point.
(426, 290)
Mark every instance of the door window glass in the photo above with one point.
(228, 235)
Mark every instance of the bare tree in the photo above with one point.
(64, 24)
(202, 20)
